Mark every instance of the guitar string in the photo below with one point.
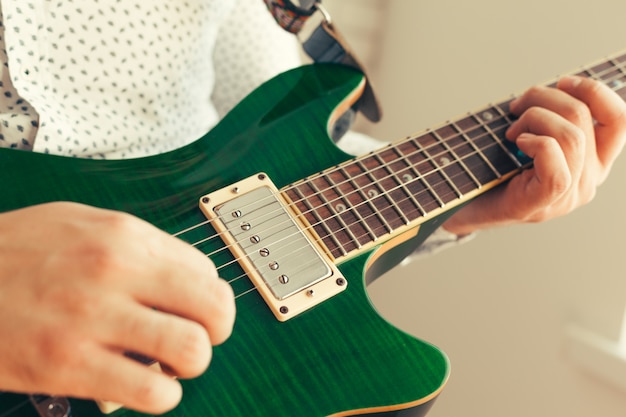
(380, 195)
(348, 225)
(403, 158)
(429, 189)
(191, 228)
(356, 240)
(451, 192)
(303, 266)
(420, 150)
(382, 227)
(391, 176)
(617, 87)
(274, 247)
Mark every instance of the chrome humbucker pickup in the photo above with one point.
(275, 248)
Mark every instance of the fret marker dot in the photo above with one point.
(340, 208)
(616, 84)
(407, 177)
(487, 116)
(444, 161)
(372, 193)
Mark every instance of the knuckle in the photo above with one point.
(60, 355)
(147, 393)
(533, 112)
(117, 222)
(194, 351)
(577, 112)
(576, 139)
(97, 260)
(155, 394)
(560, 184)
(535, 90)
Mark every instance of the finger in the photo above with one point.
(551, 176)
(208, 301)
(542, 122)
(181, 345)
(552, 99)
(560, 102)
(184, 282)
(165, 273)
(607, 108)
(111, 376)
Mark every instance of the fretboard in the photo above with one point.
(370, 198)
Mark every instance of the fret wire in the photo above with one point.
(320, 222)
(290, 187)
(621, 70)
(386, 208)
(369, 204)
(365, 224)
(422, 176)
(461, 161)
(490, 128)
(337, 216)
(614, 59)
(620, 64)
(507, 117)
(492, 134)
(442, 171)
(421, 180)
(370, 200)
(393, 175)
(601, 72)
(413, 168)
(477, 149)
(389, 207)
(348, 210)
(392, 217)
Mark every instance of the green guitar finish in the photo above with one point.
(341, 357)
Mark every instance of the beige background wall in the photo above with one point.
(500, 304)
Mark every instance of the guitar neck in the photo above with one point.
(379, 195)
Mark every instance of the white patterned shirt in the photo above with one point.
(130, 78)
(126, 78)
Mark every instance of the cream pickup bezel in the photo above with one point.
(306, 297)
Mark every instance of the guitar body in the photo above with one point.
(340, 357)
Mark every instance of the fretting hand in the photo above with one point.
(574, 133)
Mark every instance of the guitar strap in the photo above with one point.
(324, 44)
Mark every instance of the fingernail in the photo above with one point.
(508, 133)
(525, 135)
(569, 81)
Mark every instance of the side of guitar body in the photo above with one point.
(339, 358)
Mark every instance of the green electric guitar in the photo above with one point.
(298, 227)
